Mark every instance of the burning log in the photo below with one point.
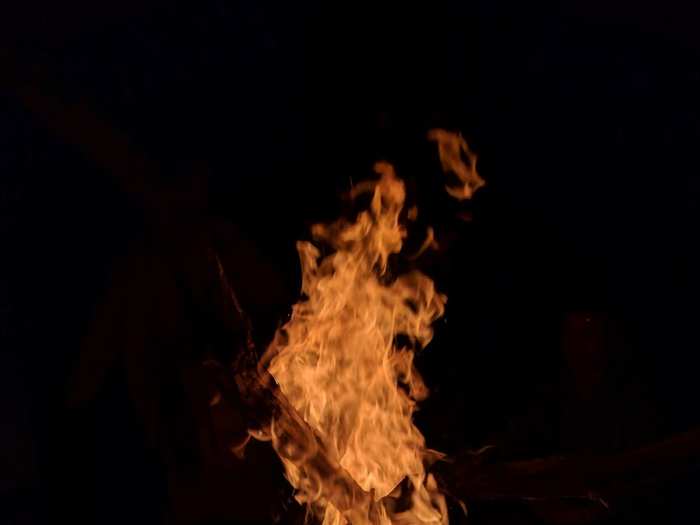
(599, 483)
(270, 417)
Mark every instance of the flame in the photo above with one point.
(340, 365)
(453, 150)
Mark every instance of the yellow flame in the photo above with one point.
(340, 366)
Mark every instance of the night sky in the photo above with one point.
(586, 120)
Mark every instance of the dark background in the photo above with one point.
(585, 119)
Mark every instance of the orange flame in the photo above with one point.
(343, 423)
(454, 150)
(338, 363)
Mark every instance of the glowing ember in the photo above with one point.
(341, 367)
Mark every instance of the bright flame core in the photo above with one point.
(339, 363)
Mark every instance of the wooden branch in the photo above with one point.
(78, 125)
(109, 149)
(599, 480)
